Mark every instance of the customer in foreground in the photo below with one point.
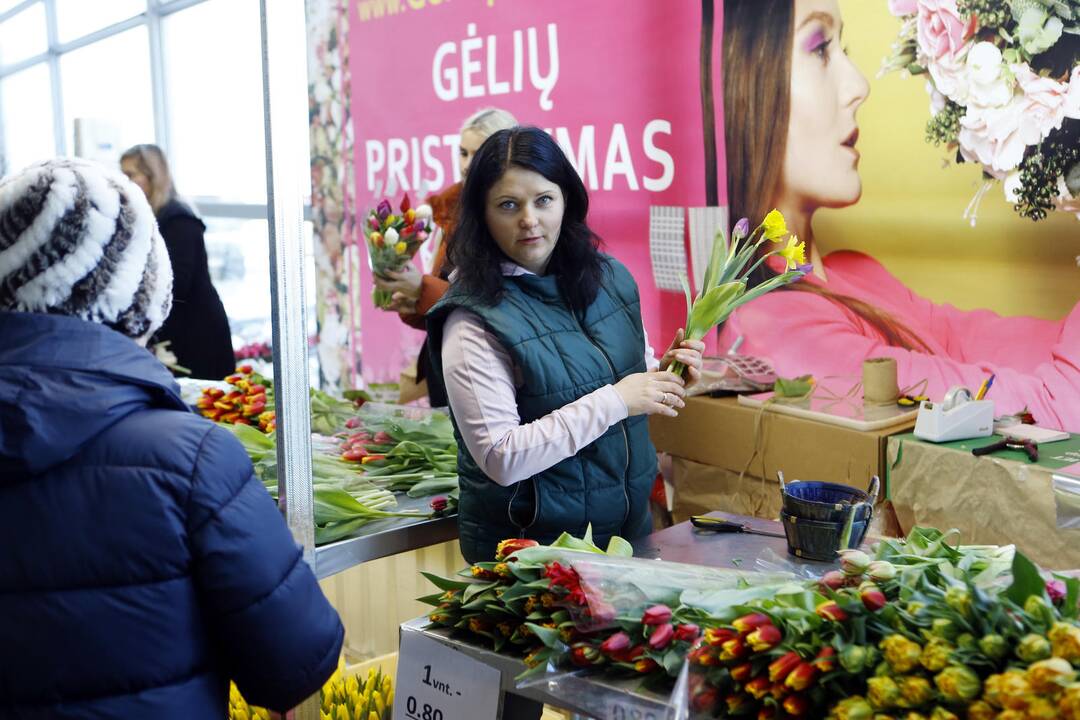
(144, 566)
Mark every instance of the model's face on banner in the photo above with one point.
(524, 215)
(821, 165)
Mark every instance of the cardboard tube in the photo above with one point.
(879, 380)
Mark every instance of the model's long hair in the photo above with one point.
(152, 163)
(758, 37)
(576, 260)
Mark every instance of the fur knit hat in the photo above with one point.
(80, 239)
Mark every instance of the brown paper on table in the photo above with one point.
(700, 489)
(989, 500)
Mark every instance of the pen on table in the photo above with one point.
(985, 387)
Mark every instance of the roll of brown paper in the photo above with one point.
(879, 380)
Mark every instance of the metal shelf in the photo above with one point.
(386, 537)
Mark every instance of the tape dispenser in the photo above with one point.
(958, 417)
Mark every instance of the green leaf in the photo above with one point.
(436, 599)
(1026, 580)
(566, 541)
(712, 307)
(689, 298)
(475, 589)
(793, 387)
(673, 661)
(335, 531)
(446, 583)
(548, 636)
(619, 547)
(1072, 597)
(715, 267)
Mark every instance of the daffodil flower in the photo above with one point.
(725, 284)
(794, 253)
(775, 226)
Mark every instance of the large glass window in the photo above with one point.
(238, 253)
(6, 5)
(76, 18)
(213, 79)
(108, 84)
(26, 118)
(202, 101)
(23, 35)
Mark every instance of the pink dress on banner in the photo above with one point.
(1037, 362)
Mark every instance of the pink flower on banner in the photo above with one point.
(950, 75)
(900, 8)
(941, 29)
(997, 137)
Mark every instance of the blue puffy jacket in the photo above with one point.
(142, 565)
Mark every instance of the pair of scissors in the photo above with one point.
(727, 526)
(1008, 443)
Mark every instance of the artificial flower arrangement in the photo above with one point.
(393, 239)
(922, 629)
(730, 265)
(1004, 84)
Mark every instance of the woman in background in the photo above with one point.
(540, 344)
(796, 152)
(415, 293)
(198, 329)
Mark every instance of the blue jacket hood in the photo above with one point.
(64, 381)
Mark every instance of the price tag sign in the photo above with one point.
(629, 710)
(435, 682)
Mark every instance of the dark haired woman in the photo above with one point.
(785, 58)
(546, 364)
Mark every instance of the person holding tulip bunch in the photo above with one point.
(414, 293)
(540, 344)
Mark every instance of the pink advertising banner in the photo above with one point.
(618, 83)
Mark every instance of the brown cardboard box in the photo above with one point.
(718, 437)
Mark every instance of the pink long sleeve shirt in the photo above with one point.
(1037, 362)
(481, 384)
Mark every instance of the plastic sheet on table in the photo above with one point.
(617, 587)
(606, 698)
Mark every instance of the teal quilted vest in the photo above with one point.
(559, 357)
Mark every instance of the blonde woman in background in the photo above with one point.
(198, 329)
(415, 293)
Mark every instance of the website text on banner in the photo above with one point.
(604, 78)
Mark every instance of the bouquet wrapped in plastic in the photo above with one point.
(393, 239)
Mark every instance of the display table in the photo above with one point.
(713, 443)
(620, 699)
(995, 499)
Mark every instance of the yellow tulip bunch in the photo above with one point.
(351, 698)
(725, 285)
(240, 710)
(343, 698)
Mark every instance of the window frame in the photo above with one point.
(152, 18)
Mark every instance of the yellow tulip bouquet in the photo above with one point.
(343, 697)
(730, 265)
